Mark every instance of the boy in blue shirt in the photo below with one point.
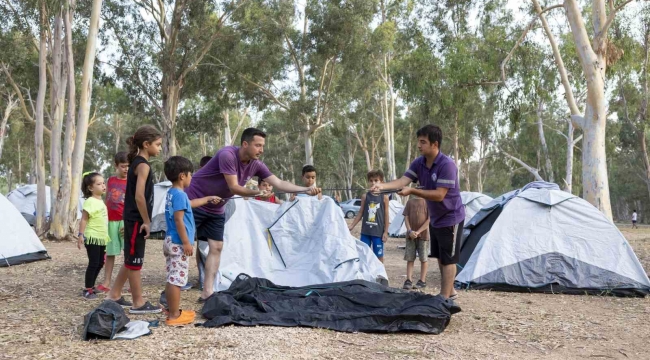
(178, 244)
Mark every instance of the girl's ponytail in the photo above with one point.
(145, 133)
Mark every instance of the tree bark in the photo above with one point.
(170, 98)
(57, 110)
(481, 164)
(70, 133)
(39, 118)
(309, 150)
(569, 159)
(226, 128)
(11, 106)
(84, 108)
(592, 58)
(594, 157)
(468, 184)
(548, 166)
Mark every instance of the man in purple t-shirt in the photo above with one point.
(224, 176)
(438, 177)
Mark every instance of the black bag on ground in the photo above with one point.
(348, 306)
(105, 321)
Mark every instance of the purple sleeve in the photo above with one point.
(227, 163)
(263, 171)
(447, 176)
(412, 172)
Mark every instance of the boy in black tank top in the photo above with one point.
(374, 212)
(138, 206)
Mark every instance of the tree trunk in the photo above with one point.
(70, 134)
(226, 129)
(84, 109)
(468, 185)
(481, 164)
(569, 159)
(594, 168)
(593, 60)
(409, 145)
(57, 110)
(11, 105)
(20, 165)
(170, 97)
(38, 135)
(456, 148)
(548, 166)
(309, 149)
(644, 153)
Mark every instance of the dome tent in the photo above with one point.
(542, 239)
(19, 243)
(473, 202)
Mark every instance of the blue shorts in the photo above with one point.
(375, 243)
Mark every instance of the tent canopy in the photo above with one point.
(543, 239)
(18, 243)
(297, 243)
(397, 227)
(473, 202)
(25, 199)
(158, 222)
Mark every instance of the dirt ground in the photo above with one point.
(41, 312)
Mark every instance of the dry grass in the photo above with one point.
(41, 313)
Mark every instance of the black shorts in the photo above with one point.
(445, 243)
(209, 226)
(134, 243)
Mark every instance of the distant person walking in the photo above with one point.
(634, 218)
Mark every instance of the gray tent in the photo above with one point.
(543, 239)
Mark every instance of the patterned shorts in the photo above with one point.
(416, 246)
(177, 264)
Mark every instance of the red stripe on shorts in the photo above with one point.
(133, 236)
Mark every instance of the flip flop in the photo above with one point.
(454, 297)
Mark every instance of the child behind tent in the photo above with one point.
(374, 211)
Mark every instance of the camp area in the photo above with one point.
(336, 179)
(42, 317)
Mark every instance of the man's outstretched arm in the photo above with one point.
(285, 186)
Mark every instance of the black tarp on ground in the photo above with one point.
(349, 306)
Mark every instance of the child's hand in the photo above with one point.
(188, 249)
(350, 227)
(292, 197)
(384, 238)
(80, 241)
(214, 199)
(146, 228)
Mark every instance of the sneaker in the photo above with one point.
(88, 294)
(186, 287)
(147, 308)
(408, 285)
(122, 302)
(420, 284)
(187, 317)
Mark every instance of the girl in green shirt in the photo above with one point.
(93, 229)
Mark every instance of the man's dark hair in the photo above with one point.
(204, 161)
(177, 165)
(634, 210)
(121, 158)
(432, 132)
(250, 133)
(375, 174)
(308, 168)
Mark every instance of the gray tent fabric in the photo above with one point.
(542, 239)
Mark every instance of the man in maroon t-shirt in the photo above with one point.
(224, 176)
(438, 177)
